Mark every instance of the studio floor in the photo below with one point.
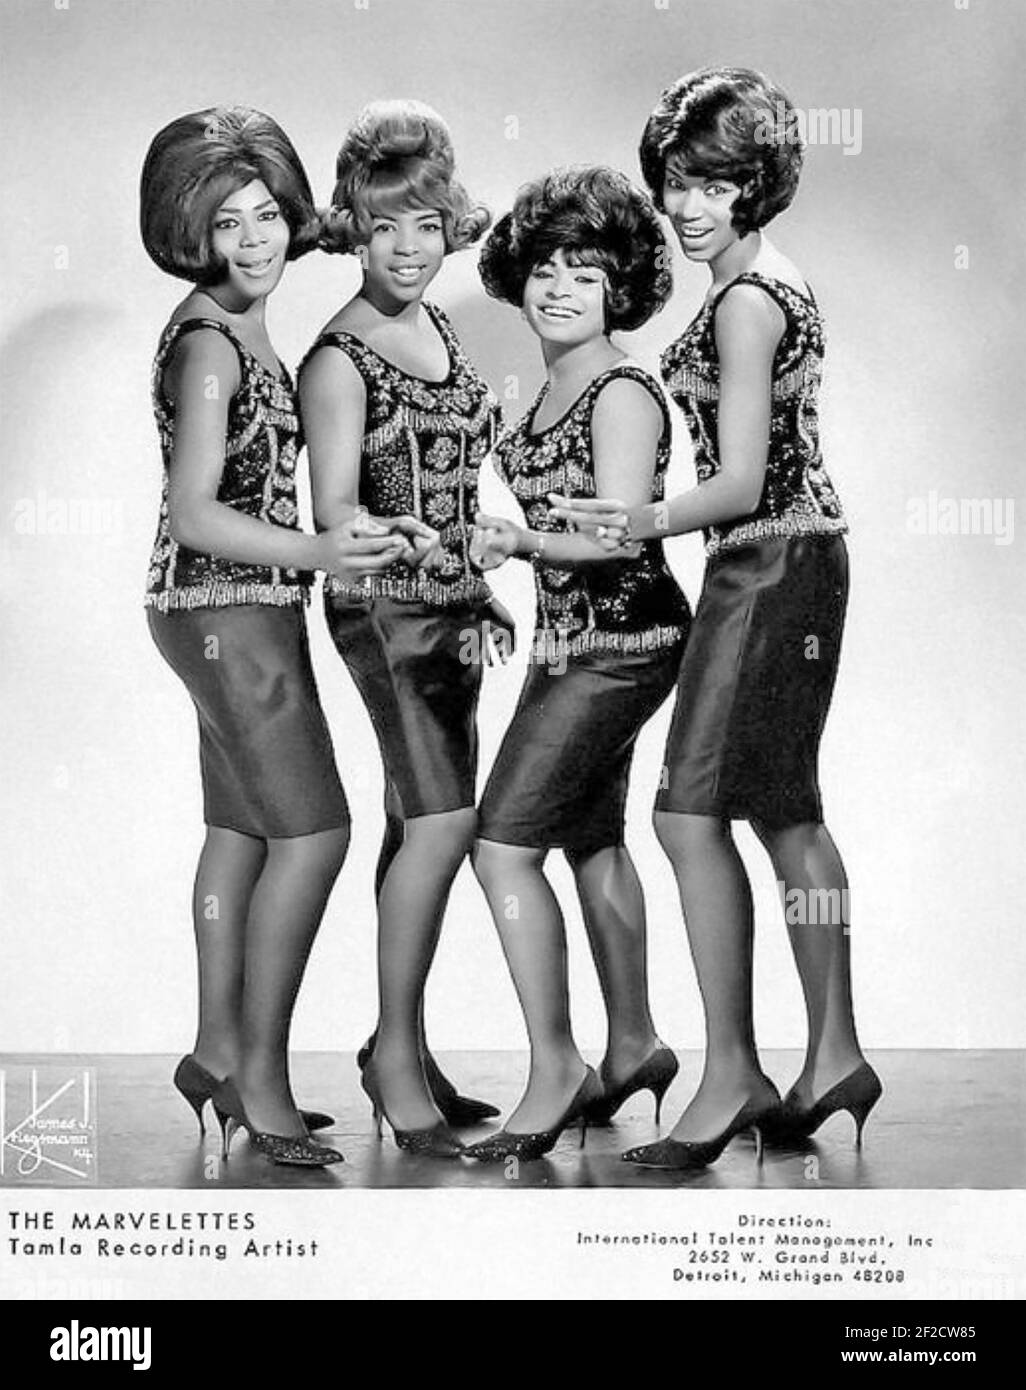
(947, 1119)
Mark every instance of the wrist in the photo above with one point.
(641, 524)
(530, 545)
(317, 552)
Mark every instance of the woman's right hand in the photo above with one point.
(358, 548)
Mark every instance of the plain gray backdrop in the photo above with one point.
(912, 246)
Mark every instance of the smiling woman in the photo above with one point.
(398, 423)
(225, 202)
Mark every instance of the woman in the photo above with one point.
(722, 154)
(583, 255)
(397, 422)
(225, 203)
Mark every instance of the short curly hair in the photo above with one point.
(398, 154)
(730, 123)
(196, 162)
(596, 214)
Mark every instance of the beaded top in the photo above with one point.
(261, 446)
(423, 445)
(798, 498)
(628, 605)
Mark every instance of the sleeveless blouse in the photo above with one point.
(423, 445)
(629, 605)
(798, 498)
(262, 443)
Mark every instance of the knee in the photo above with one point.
(336, 844)
(685, 837)
(496, 864)
(790, 841)
(462, 826)
(486, 860)
(446, 837)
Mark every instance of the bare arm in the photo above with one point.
(201, 381)
(626, 424)
(749, 326)
(333, 400)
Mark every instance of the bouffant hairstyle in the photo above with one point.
(195, 163)
(398, 155)
(729, 123)
(596, 216)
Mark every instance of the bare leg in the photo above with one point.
(392, 843)
(717, 902)
(286, 909)
(411, 904)
(531, 929)
(807, 863)
(613, 906)
(228, 869)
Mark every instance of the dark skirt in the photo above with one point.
(418, 669)
(756, 682)
(560, 777)
(266, 757)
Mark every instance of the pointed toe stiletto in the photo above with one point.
(456, 1109)
(297, 1151)
(198, 1085)
(857, 1093)
(694, 1154)
(655, 1074)
(527, 1147)
(435, 1141)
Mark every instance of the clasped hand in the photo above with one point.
(604, 518)
(493, 541)
(364, 545)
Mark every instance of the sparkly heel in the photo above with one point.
(655, 1074)
(529, 1146)
(437, 1141)
(691, 1155)
(298, 1151)
(857, 1093)
(198, 1085)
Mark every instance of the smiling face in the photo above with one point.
(700, 209)
(565, 299)
(404, 254)
(251, 236)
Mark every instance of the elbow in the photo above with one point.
(748, 501)
(747, 493)
(183, 528)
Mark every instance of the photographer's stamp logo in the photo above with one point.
(48, 1126)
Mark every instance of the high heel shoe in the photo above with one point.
(458, 1110)
(198, 1085)
(298, 1151)
(692, 1154)
(655, 1074)
(507, 1144)
(437, 1141)
(857, 1093)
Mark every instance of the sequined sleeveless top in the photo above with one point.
(798, 498)
(423, 445)
(261, 446)
(630, 605)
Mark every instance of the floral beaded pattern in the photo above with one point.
(423, 446)
(798, 498)
(259, 479)
(632, 605)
